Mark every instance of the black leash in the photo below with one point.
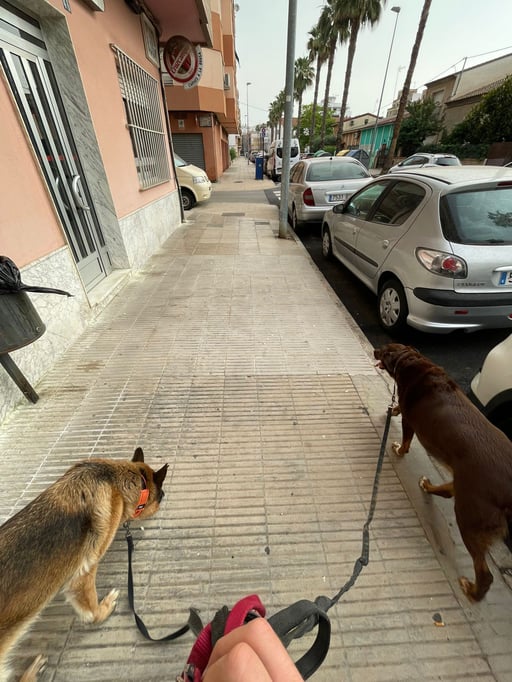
(193, 619)
(296, 620)
(290, 621)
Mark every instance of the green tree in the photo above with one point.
(489, 121)
(303, 78)
(388, 161)
(312, 131)
(424, 119)
(350, 16)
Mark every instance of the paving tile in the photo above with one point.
(230, 358)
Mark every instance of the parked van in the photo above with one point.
(194, 184)
(275, 157)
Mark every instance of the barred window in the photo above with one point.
(140, 93)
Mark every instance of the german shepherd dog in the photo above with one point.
(454, 432)
(58, 539)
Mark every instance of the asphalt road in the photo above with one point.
(461, 354)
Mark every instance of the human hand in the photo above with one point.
(251, 653)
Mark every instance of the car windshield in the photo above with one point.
(330, 170)
(478, 216)
(178, 161)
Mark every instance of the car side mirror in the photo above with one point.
(339, 208)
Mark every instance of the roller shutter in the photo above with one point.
(190, 147)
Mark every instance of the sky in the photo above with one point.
(459, 34)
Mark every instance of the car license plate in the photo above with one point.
(506, 278)
(336, 197)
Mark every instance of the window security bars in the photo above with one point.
(140, 93)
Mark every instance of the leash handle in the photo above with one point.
(297, 619)
(140, 623)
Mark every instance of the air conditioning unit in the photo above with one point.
(227, 81)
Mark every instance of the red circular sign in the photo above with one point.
(182, 59)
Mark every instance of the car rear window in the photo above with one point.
(478, 216)
(447, 161)
(330, 170)
(294, 150)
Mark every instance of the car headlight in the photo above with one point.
(441, 263)
(200, 179)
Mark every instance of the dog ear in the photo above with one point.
(159, 476)
(138, 455)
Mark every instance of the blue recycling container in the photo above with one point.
(258, 162)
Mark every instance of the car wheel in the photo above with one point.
(296, 223)
(326, 243)
(188, 200)
(392, 306)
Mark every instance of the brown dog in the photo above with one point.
(58, 539)
(452, 430)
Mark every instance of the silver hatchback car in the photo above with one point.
(421, 160)
(316, 184)
(434, 244)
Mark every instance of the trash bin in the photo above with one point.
(258, 162)
(20, 323)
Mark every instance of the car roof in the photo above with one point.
(336, 159)
(458, 174)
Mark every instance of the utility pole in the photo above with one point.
(288, 114)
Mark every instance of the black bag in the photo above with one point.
(10, 280)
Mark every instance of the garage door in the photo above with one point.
(190, 147)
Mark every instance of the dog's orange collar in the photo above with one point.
(143, 498)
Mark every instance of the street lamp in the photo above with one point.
(248, 136)
(374, 131)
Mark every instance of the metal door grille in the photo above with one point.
(140, 93)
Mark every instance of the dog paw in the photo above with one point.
(397, 449)
(106, 606)
(467, 587)
(37, 665)
(424, 483)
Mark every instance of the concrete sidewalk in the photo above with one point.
(230, 357)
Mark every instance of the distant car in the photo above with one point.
(419, 160)
(434, 245)
(359, 154)
(318, 183)
(491, 387)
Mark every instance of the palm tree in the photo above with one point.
(332, 32)
(275, 113)
(303, 78)
(351, 16)
(273, 118)
(388, 161)
(317, 50)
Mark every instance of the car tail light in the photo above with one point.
(441, 263)
(309, 199)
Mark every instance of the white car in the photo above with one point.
(434, 245)
(491, 388)
(319, 183)
(421, 160)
